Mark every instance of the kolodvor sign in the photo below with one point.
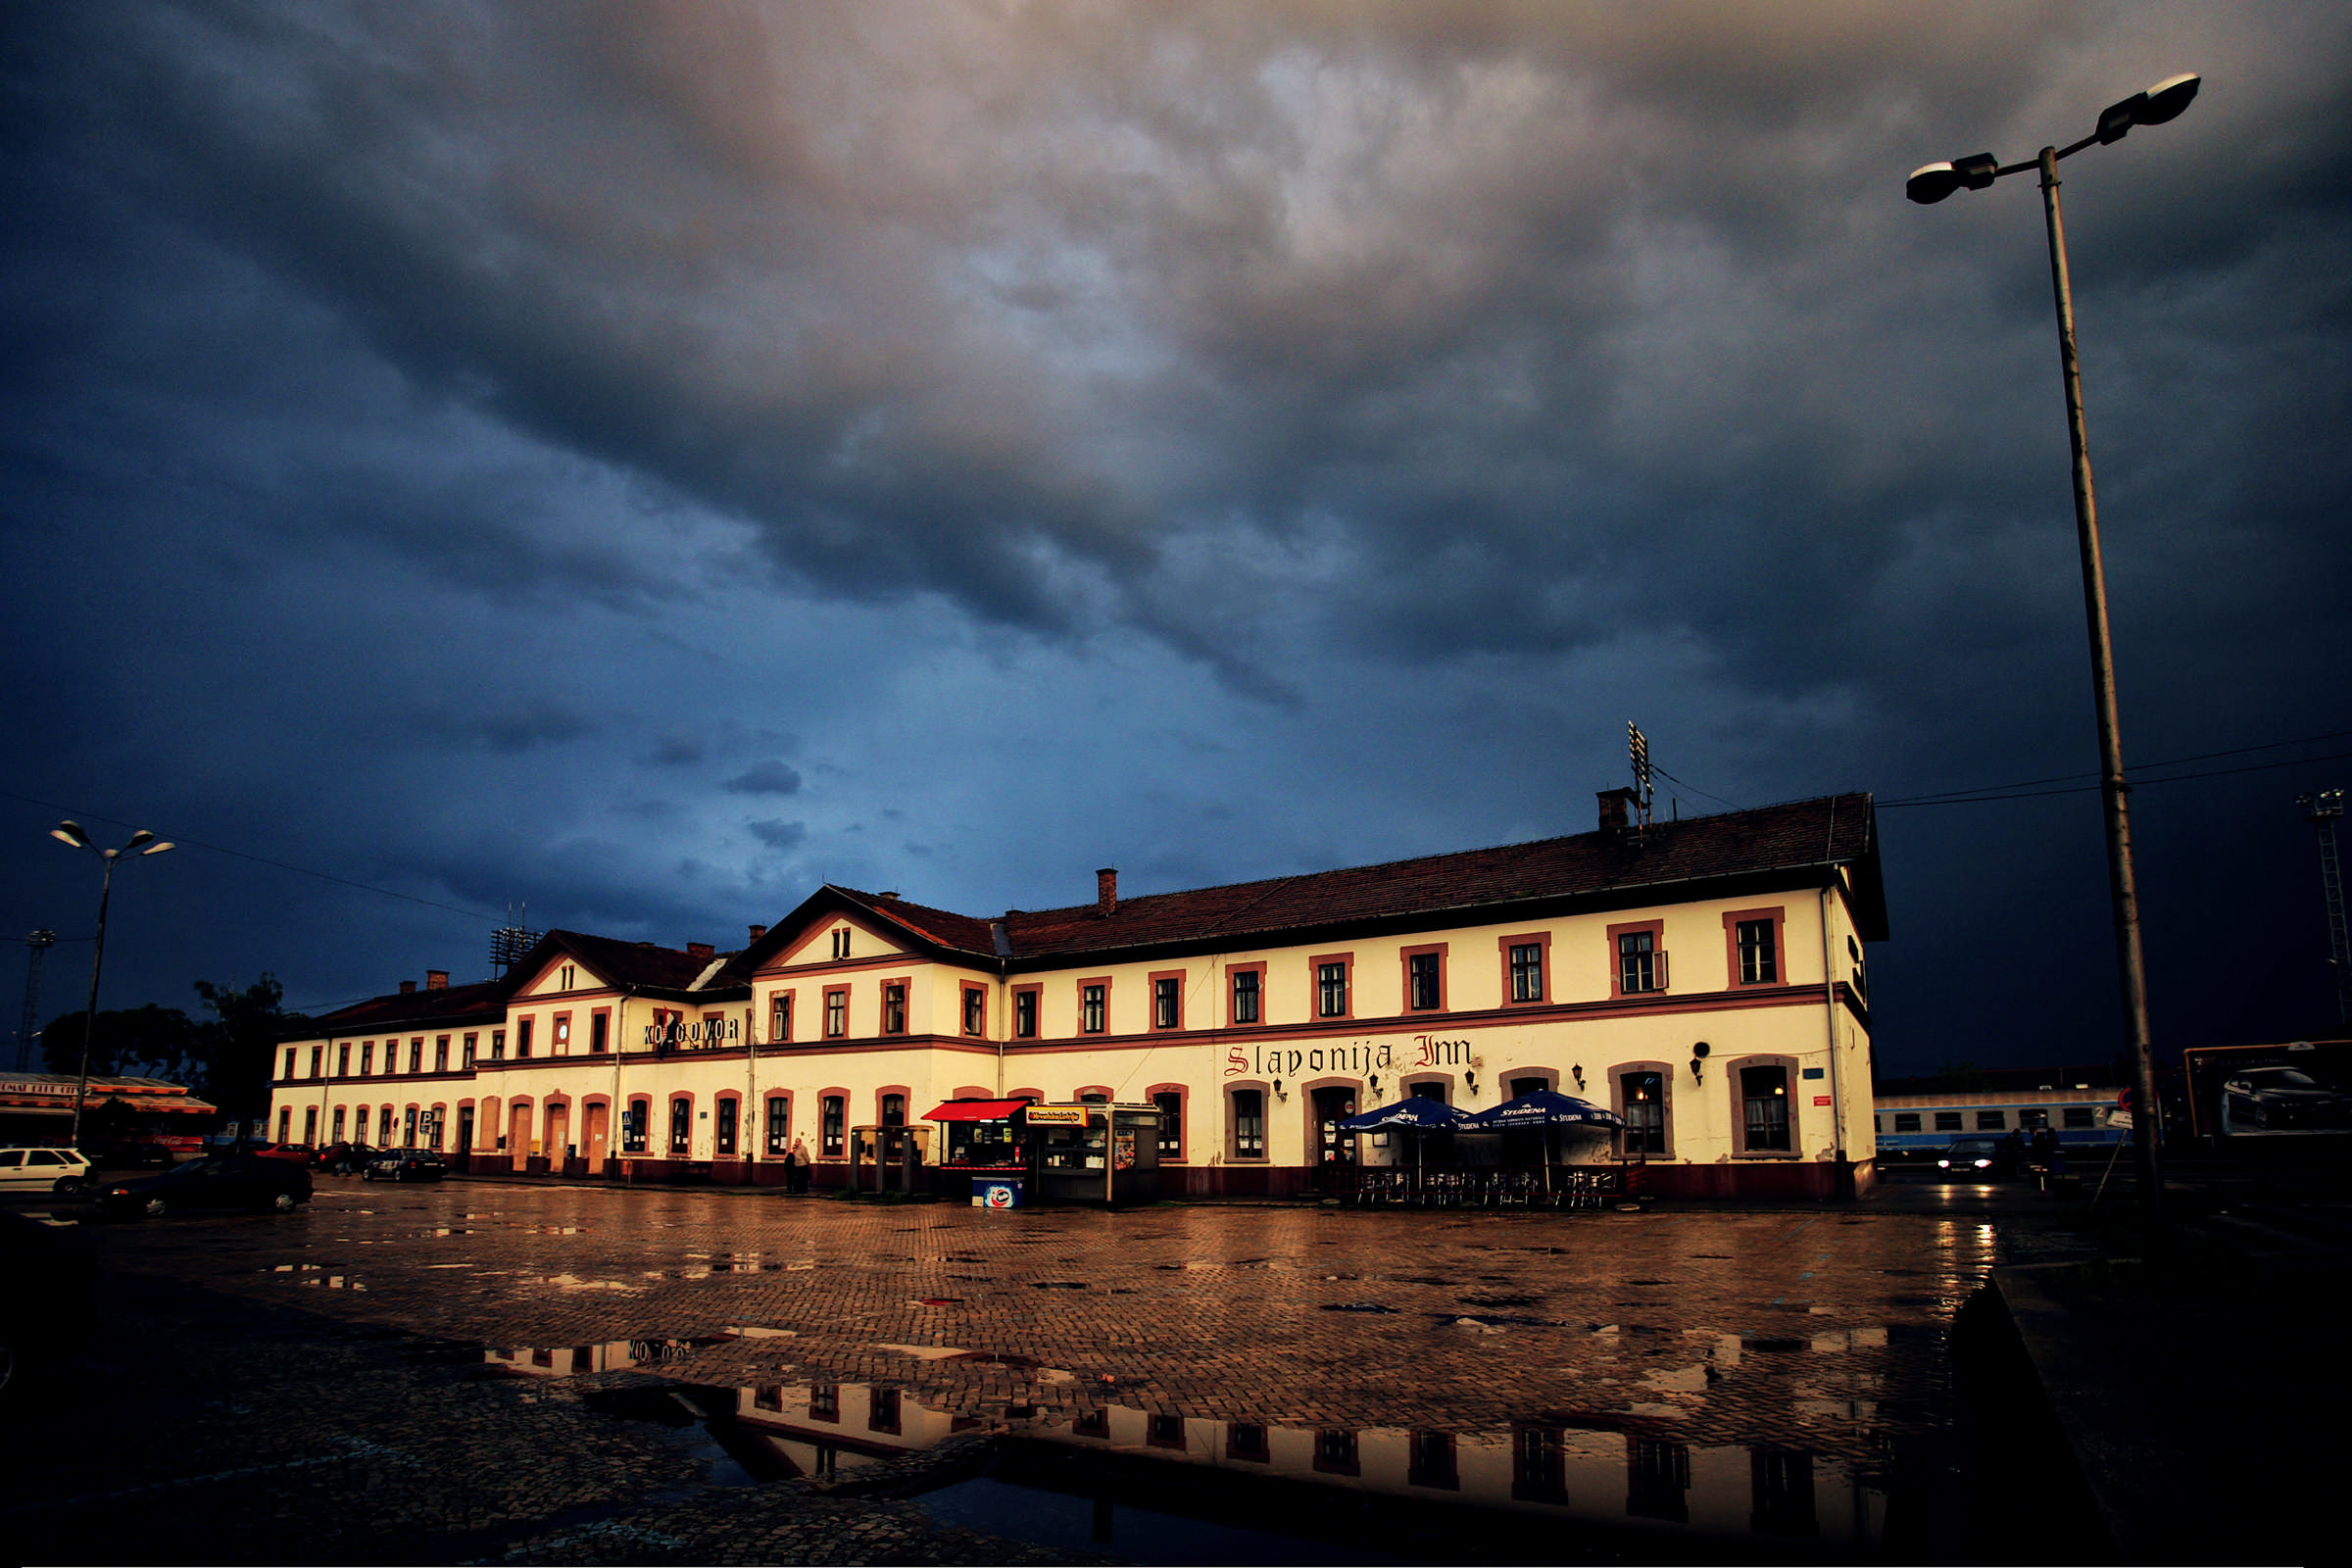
(701, 1032)
(1359, 1056)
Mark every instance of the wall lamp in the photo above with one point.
(1470, 1081)
(1699, 1054)
(1374, 1081)
(1578, 1068)
(1278, 1093)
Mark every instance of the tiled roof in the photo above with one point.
(1837, 829)
(484, 998)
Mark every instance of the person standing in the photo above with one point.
(796, 1166)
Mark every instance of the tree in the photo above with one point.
(148, 1041)
(240, 1040)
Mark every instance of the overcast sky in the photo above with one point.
(650, 461)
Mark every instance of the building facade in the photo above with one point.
(1704, 978)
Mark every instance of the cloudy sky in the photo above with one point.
(647, 460)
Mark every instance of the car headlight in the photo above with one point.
(1943, 1164)
(1984, 1164)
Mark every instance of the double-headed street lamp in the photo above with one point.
(141, 843)
(1932, 184)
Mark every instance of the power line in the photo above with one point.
(1990, 790)
(258, 860)
(2137, 783)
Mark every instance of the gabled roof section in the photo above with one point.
(631, 966)
(942, 931)
(1802, 836)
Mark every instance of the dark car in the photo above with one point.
(1984, 1159)
(406, 1165)
(45, 1307)
(2284, 1097)
(217, 1181)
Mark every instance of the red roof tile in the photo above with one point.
(1799, 836)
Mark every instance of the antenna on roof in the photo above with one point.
(510, 943)
(1637, 745)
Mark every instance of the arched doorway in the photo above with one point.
(518, 1133)
(595, 1133)
(558, 1124)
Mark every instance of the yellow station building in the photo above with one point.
(1704, 978)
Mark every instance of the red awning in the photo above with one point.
(975, 1111)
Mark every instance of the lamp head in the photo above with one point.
(159, 847)
(72, 833)
(142, 836)
(2159, 104)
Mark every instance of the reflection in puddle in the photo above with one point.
(1163, 1487)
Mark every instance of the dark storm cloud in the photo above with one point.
(778, 834)
(428, 414)
(770, 778)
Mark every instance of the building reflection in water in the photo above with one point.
(1597, 1472)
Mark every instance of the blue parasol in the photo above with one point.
(1545, 1107)
(1429, 1115)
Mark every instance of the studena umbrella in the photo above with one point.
(1430, 1115)
(1413, 1113)
(1545, 1107)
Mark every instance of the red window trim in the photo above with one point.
(824, 1023)
(1404, 977)
(1657, 931)
(1777, 914)
(1184, 1115)
(1259, 970)
(905, 983)
(1037, 1014)
(1314, 987)
(1152, 1020)
(792, 1005)
(965, 990)
(1104, 981)
(1503, 953)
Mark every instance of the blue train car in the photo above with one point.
(1917, 1126)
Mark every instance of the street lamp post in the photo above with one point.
(141, 843)
(1932, 184)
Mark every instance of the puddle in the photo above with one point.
(1160, 1487)
(1356, 1306)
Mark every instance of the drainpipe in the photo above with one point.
(1829, 996)
(751, 1127)
(1002, 940)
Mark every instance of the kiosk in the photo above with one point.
(984, 1154)
(1095, 1153)
(1006, 1154)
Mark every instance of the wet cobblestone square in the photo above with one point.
(415, 1374)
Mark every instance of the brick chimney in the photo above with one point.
(1107, 892)
(701, 949)
(408, 988)
(436, 979)
(758, 932)
(1614, 805)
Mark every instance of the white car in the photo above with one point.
(44, 1170)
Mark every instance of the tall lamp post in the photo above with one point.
(1932, 184)
(141, 843)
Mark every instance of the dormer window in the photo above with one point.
(841, 943)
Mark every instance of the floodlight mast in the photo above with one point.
(142, 843)
(1928, 185)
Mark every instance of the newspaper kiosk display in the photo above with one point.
(1095, 1153)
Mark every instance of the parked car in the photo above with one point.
(1979, 1159)
(45, 1308)
(44, 1170)
(2284, 1097)
(216, 1181)
(406, 1165)
(343, 1160)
